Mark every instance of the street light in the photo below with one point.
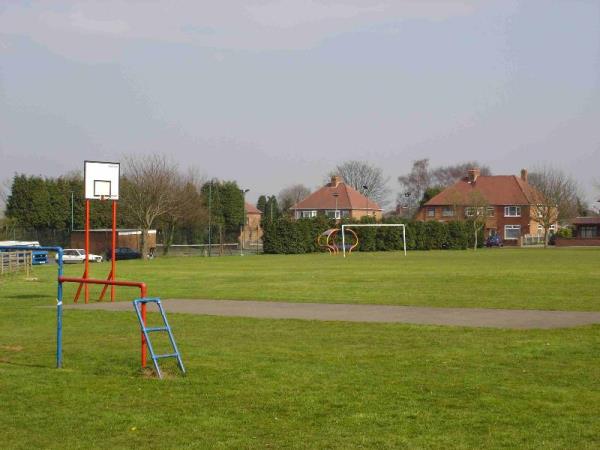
(366, 190)
(336, 195)
(210, 218)
(242, 226)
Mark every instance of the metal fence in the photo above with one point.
(231, 249)
(532, 240)
(15, 261)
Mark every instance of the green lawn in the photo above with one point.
(299, 384)
(558, 279)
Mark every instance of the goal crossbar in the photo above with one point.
(349, 225)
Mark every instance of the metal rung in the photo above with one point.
(149, 329)
(168, 355)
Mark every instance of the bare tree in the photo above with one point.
(148, 191)
(422, 178)
(365, 178)
(291, 195)
(187, 206)
(414, 184)
(477, 211)
(445, 176)
(554, 198)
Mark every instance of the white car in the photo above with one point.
(77, 255)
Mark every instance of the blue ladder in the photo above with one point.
(147, 330)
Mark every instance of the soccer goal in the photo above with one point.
(373, 225)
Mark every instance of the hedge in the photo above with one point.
(287, 236)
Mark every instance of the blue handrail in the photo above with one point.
(59, 293)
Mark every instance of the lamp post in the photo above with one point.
(210, 218)
(72, 211)
(336, 195)
(366, 190)
(243, 191)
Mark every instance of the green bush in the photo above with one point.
(289, 236)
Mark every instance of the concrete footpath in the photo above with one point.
(466, 317)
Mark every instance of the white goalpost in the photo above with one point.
(373, 225)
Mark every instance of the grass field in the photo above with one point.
(553, 279)
(256, 383)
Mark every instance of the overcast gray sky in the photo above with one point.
(271, 93)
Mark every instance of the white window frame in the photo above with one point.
(512, 227)
(308, 214)
(431, 211)
(516, 208)
(491, 211)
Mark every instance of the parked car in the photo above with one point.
(77, 255)
(124, 253)
(37, 256)
(494, 241)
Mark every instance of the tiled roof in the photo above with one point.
(496, 189)
(251, 209)
(349, 198)
(586, 221)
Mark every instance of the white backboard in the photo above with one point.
(101, 180)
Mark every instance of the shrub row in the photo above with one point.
(299, 236)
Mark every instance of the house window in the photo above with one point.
(333, 213)
(512, 232)
(491, 212)
(551, 229)
(447, 211)
(430, 212)
(309, 214)
(587, 231)
(512, 211)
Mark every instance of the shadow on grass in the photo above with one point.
(11, 363)
(28, 296)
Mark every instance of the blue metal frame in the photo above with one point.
(166, 328)
(59, 294)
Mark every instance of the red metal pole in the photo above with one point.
(86, 272)
(113, 269)
(144, 345)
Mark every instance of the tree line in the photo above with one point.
(154, 194)
(186, 207)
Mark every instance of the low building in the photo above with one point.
(508, 201)
(336, 200)
(586, 233)
(101, 239)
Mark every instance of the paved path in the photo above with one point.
(469, 317)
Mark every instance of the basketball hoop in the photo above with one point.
(101, 180)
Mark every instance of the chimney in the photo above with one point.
(524, 175)
(472, 175)
(335, 180)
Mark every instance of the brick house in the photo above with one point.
(508, 200)
(336, 199)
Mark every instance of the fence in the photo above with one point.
(231, 249)
(15, 261)
(532, 240)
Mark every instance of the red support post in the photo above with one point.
(86, 272)
(113, 269)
